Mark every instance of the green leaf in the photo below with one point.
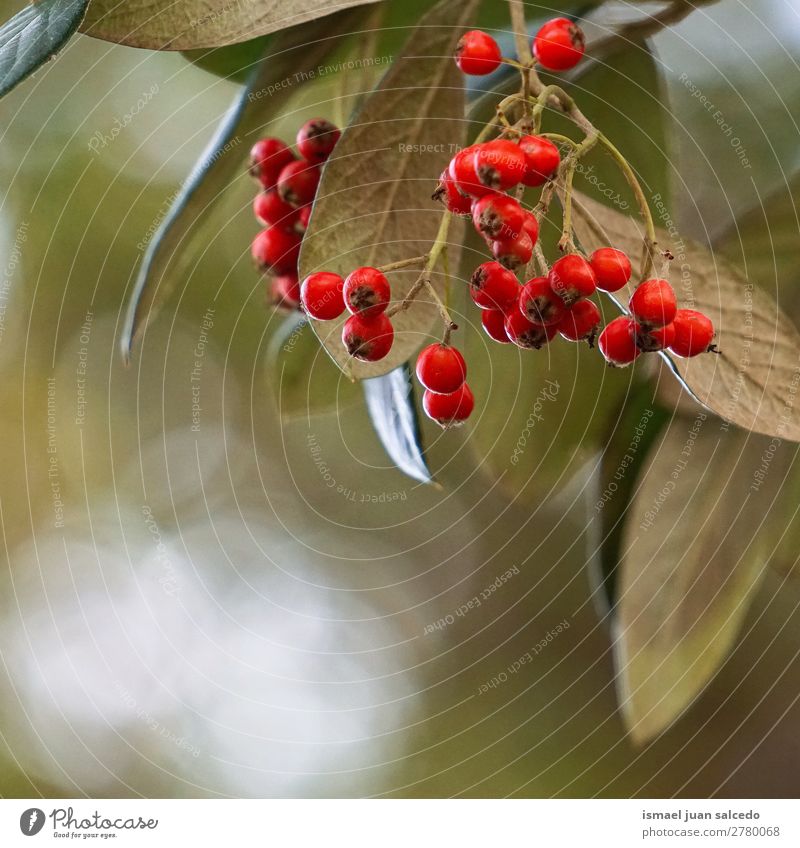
(35, 35)
(192, 24)
(374, 204)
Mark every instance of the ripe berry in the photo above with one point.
(539, 304)
(541, 159)
(494, 287)
(454, 201)
(653, 304)
(499, 164)
(514, 252)
(284, 291)
(297, 183)
(316, 139)
(321, 295)
(494, 324)
(617, 342)
(498, 216)
(611, 267)
(368, 338)
(267, 158)
(449, 410)
(276, 249)
(649, 341)
(366, 291)
(441, 369)
(559, 45)
(525, 333)
(270, 209)
(581, 322)
(462, 171)
(694, 333)
(572, 278)
(477, 53)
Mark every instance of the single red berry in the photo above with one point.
(498, 216)
(581, 322)
(617, 342)
(653, 304)
(367, 291)
(514, 252)
(525, 333)
(694, 333)
(441, 369)
(449, 410)
(572, 278)
(276, 249)
(493, 287)
(316, 139)
(267, 158)
(611, 267)
(368, 338)
(539, 303)
(652, 340)
(270, 209)
(541, 159)
(494, 324)
(297, 183)
(499, 164)
(454, 201)
(284, 291)
(321, 295)
(531, 226)
(462, 171)
(559, 45)
(477, 53)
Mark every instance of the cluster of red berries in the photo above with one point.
(288, 187)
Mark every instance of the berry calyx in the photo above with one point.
(611, 267)
(449, 410)
(268, 156)
(441, 369)
(494, 325)
(321, 295)
(366, 291)
(572, 278)
(514, 252)
(524, 333)
(650, 341)
(284, 291)
(539, 304)
(316, 139)
(541, 159)
(297, 183)
(454, 201)
(653, 304)
(270, 209)
(559, 45)
(477, 53)
(617, 342)
(499, 164)
(694, 333)
(581, 322)
(368, 338)
(498, 216)
(493, 287)
(276, 249)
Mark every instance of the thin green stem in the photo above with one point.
(566, 242)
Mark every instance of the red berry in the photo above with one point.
(581, 322)
(284, 291)
(316, 139)
(514, 252)
(653, 304)
(541, 159)
(366, 291)
(454, 201)
(303, 217)
(649, 341)
(297, 183)
(539, 304)
(617, 342)
(694, 333)
(477, 53)
(441, 369)
(498, 216)
(321, 295)
(267, 158)
(494, 287)
(572, 278)
(525, 333)
(368, 338)
(462, 171)
(494, 324)
(276, 249)
(270, 209)
(611, 267)
(559, 45)
(449, 410)
(531, 226)
(499, 164)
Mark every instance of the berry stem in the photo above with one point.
(403, 263)
(566, 242)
